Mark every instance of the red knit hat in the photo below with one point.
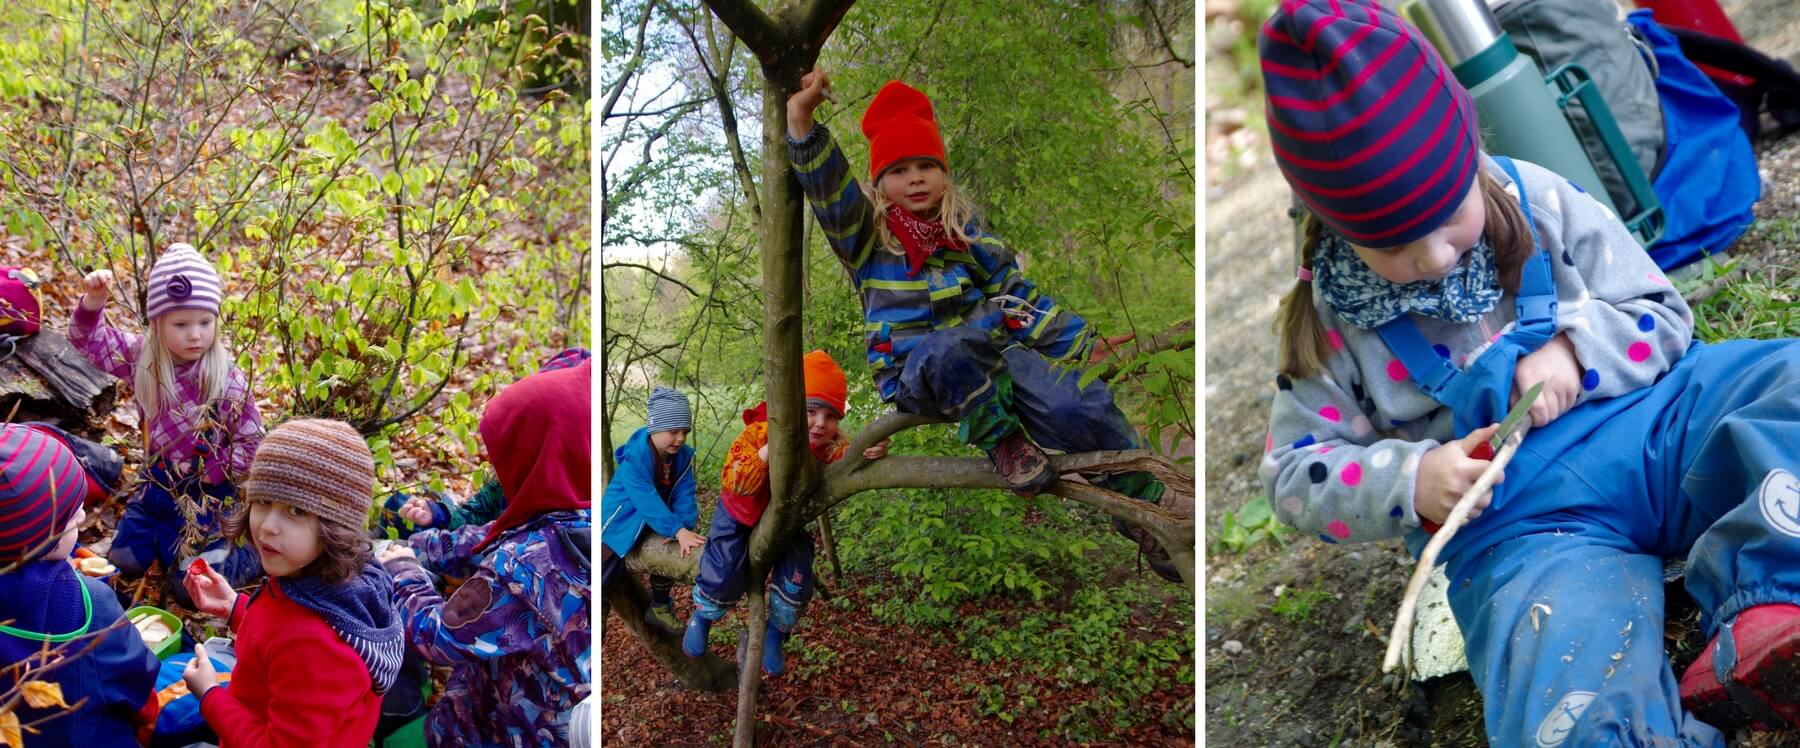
(899, 125)
(825, 381)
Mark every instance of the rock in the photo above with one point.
(1213, 635)
(1233, 647)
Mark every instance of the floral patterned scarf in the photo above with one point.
(1367, 300)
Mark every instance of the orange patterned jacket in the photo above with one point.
(744, 483)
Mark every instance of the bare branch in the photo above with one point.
(631, 66)
(753, 26)
(1162, 34)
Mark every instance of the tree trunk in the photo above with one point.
(627, 596)
(750, 653)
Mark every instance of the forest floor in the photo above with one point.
(1294, 630)
(856, 678)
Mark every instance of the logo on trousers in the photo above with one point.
(1779, 498)
(1561, 720)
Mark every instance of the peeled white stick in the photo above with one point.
(1403, 621)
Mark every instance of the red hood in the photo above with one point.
(539, 440)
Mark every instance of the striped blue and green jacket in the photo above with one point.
(954, 288)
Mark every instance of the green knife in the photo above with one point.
(1511, 423)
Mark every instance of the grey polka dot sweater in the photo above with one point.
(1344, 445)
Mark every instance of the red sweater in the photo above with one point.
(296, 682)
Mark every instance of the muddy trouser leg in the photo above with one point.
(1740, 490)
(1059, 415)
(724, 566)
(958, 374)
(1564, 635)
(791, 584)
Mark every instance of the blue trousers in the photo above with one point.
(1558, 586)
(150, 531)
(725, 573)
(953, 372)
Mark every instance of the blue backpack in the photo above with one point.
(1708, 183)
(1686, 133)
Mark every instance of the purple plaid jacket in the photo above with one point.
(183, 432)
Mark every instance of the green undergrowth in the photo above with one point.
(1043, 585)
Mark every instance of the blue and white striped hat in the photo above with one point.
(669, 410)
(182, 279)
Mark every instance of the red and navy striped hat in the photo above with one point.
(1367, 123)
(41, 486)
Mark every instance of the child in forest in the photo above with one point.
(200, 422)
(49, 611)
(516, 633)
(954, 329)
(744, 494)
(1436, 284)
(652, 488)
(442, 514)
(321, 641)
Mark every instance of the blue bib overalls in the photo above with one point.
(1558, 585)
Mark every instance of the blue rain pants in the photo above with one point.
(1558, 585)
(725, 573)
(959, 372)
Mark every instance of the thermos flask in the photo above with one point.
(1521, 110)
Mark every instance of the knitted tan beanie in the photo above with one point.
(318, 465)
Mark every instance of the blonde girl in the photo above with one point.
(200, 422)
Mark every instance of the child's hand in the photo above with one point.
(417, 510)
(396, 550)
(876, 452)
(1554, 365)
(211, 591)
(689, 540)
(1105, 347)
(98, 285)
(813, 88)
(199, 672)
(1446, 473)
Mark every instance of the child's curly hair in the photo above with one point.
(343, 550)
(1304, 347)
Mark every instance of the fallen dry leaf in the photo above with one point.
(9, 730)
(41, 695)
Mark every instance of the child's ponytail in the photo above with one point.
(1303, 344)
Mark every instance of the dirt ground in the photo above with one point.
(1311, 676)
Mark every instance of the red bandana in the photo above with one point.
(920, 238)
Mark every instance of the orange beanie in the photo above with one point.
(825, 381)
(899, 125)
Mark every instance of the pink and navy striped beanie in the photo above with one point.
(182, 279)
(1366, 121)
(41, 486)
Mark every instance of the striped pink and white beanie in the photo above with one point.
(182, 279)
(1367, 123)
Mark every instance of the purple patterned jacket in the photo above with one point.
(183, 432)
